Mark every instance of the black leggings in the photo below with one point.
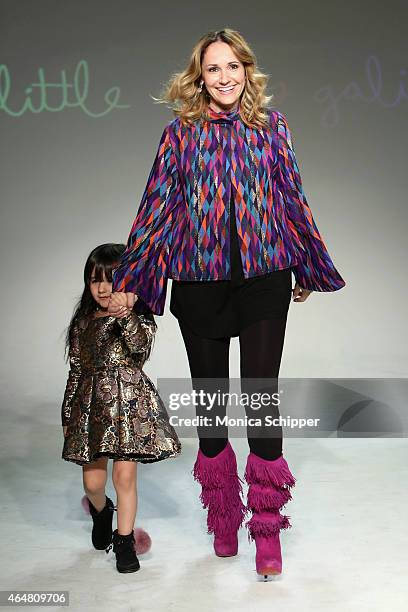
(261, 345)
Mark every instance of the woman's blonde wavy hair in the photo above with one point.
(190, 103)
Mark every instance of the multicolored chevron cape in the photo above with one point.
(181, 230)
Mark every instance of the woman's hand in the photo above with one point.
(120, 303)
(300, 294)
(64, 429)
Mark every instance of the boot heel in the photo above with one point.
(269, 490)
(268, 556)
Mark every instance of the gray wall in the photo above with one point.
(71, 181)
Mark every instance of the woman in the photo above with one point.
(224, 215)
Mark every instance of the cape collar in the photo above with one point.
(222, 116)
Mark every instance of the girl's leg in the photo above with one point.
(94, 476)
(209, 359)
(261, 346)
(124, 475)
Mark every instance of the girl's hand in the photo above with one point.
(64, 429)
(300, 294)
(119, 302)
(122, 312)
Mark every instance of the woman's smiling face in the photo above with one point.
(223, 75)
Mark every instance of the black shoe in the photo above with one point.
(102, 524)
(123, 547)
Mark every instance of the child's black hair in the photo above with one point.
(102, 258)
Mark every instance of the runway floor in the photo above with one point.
(346, 551)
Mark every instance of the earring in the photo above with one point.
(200, 89)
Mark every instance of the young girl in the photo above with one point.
(111, 407)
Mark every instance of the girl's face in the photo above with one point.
(223, 75)
(101, 290)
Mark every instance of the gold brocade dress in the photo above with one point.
(111, 406)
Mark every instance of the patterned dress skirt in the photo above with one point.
(111, 407)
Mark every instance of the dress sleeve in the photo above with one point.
(73, 375)
(315, 270)
(137, 332)
(143, 266)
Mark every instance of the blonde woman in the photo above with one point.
(224, 215)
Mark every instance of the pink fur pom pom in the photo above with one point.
(85, 504)
(143, 541)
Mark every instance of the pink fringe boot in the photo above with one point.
(269, 490)
(221, 494)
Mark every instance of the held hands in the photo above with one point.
(300, 294)
(120, 304)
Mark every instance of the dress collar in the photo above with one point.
(222, 116)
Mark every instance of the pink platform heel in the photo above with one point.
(269, 490)
(221, 491)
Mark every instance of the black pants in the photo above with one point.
(261, 345)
